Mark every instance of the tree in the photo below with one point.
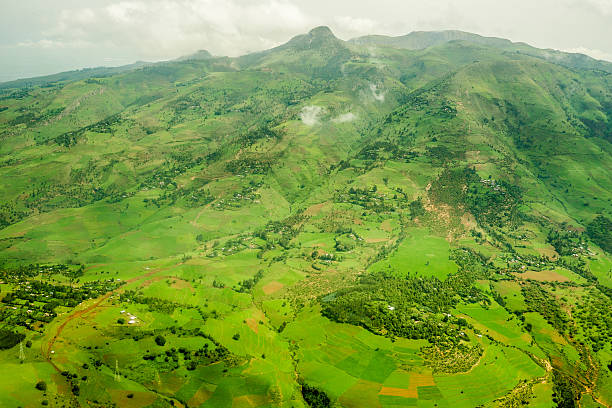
(160, 340)
(41, 386)
(315, 397)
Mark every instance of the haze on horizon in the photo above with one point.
(38, 39)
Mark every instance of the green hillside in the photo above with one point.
(413, 221)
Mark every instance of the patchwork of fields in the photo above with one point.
(323, 224)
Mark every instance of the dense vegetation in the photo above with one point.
(600, 231)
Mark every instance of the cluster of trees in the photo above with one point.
(9, 338)
(416, 208)
(20, 273)
(56, 294)
(600, 231)
(471, 263)
(71, 138)
(248, 284)
(10, 213)
(35, 301)
(369, 198)
(577, 265)
(566, 242)
(48, 196)
(34, 118)
(209, 353)
(281, 232)
(566, 390)
(261, 132)
(440, 155)
(493, 203)
(594, 315)
(315, 397)
(191, 197)
(255, 164)
(412, 307)
(346, 242)
(540, 301)
(385, 149)
(247, 194)
(192, 358)
(154, 304)
(163, 176)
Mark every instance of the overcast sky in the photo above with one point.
(39, 37)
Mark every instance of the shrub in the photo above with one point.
(9, 339)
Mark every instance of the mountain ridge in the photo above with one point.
(416, 40)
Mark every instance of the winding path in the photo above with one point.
(76, 314)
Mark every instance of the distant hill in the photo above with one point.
(419, 40)
(72, 75)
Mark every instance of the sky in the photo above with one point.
(39, 37)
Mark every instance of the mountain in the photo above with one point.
(419, 40)
(413, 221)
(319, 54)
(71, 75)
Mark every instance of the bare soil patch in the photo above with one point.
(272, 287)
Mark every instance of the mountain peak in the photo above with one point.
(321, 36)
(198, 55)
(321, 31)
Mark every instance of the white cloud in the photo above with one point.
(310, 115)
(601, 6)
(50, 44)
(350, 27)
(170, 28)
(85, 33)
(127, 11)
(376, 94)
(345, 117)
